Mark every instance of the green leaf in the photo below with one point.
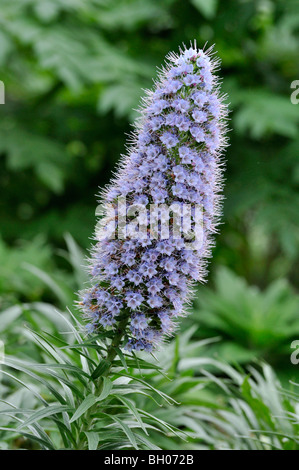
(9, 315)
(122, 358)
(263, 112)
(100, 369)
(41, 442)
(106, 388)
(19, 366)
(207, 8)
(131, 405)
(93, 440)
(127, 431)
(49, 281)
(45, 413)
(87, 403)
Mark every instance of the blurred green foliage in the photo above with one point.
(252, 324)
(73, 70)
(184, 400)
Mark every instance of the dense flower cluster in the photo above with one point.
(175, 158)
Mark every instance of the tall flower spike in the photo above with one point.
(142, 279)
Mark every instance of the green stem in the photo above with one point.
(115, 343)
(111, 353)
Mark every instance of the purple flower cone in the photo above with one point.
(175, 160)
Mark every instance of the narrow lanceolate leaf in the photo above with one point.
(130, 435)
(131, 406)
(93, 440)
(91, 400)
(45, 413)
(40, 441)
(100, 369)
(106, 388)
(87, 403)
(161, 211)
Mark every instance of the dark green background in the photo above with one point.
(73, 70)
